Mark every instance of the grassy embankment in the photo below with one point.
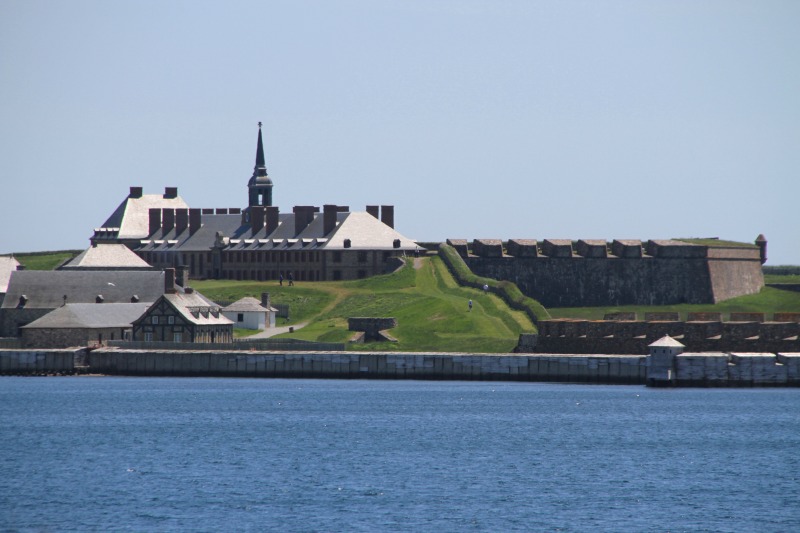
(430, 307)
(45, 260)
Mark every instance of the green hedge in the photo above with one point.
(507, 290)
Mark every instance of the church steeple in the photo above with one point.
(260, 185)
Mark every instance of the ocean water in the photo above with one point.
(164, 454)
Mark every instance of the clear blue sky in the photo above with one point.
(476, 119)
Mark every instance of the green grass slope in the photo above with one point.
(45, 260)
(431, 309)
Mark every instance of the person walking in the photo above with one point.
(291, 279)
(470, 306)
(280, 279)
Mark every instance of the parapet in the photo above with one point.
(460, 246)
(668, 249)
(557, 247)
(592, 248)
(626, 248)
(522, 248)
(487, 247)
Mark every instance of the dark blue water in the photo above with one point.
(148, 454)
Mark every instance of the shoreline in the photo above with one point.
(689, 370)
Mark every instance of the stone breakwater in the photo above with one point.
(713, 369)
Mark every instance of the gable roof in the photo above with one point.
(45, 289)
(248, 304)
(196, 308)
(89, 316)
(366, 232)
(7, 266)
(132, 216)
(107, 256)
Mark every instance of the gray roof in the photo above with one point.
(7, 266)
(666, 342)
(196, 308)
(94, 315)
(362, 229)
(45, 289)
(111, 256)
(248, 304)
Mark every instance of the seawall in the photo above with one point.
(715, 369)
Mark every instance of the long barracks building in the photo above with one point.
(257, 242)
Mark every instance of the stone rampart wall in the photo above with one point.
(579, 281)
(362, 365)
(38, 361)
(736, 369)
(633, 337)
(586, 274)
(690, 369)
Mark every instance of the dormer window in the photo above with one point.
(154, 319)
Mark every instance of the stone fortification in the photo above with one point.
(563, 273)
(673, 368)
(633, 336)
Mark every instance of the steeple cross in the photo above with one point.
(259, 124)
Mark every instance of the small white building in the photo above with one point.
(249, 313)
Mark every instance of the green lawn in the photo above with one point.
(431, 310)
(774, 278)
(768, 301)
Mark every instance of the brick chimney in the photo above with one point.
(170, 192)
(136, 192)
(195, 220)
(182, 276)
(329, 213)
(257, 217)
(167, 220)
(273, 218)
(265, 300)
(169, 281)
(155, 220)
(303, 215)
(181, 220)
(387, 215)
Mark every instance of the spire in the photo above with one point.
(260, 185)
(261, 167)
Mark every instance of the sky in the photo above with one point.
(475, 119)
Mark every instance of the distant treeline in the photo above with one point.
(782, 270)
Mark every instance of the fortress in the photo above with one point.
(595, 273)
(257, 242)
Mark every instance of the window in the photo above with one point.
(337, 257)
(239, 317)
(154, 319)
(148, 337)
(362, 274)
(177, 337)
(362, 257)
(170, 319)
(337, 275)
